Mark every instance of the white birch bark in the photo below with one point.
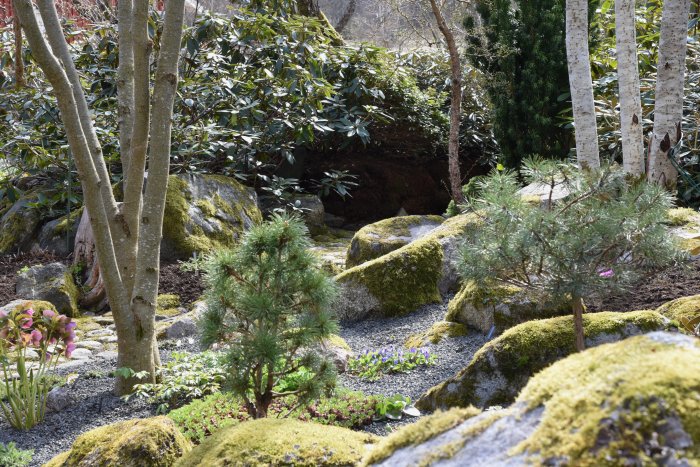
(581, 83)
(628, 82)
(668, 108)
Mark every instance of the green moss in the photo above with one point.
(13, 225)
(685, 307)
(280, 442)
(691, 245)
(150, 442)
(337, 341)
(168, 301)
(66, 222)
(380, 238)
(86, 324)
(683, 216)
(423, 430)
(625, 392)
(505, 364)
(36, 305)
(206, 207)
(73, 293)
(436, 333)
(401, 280)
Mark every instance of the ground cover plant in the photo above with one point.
(12, 456)
(373, 364)
(607, 233)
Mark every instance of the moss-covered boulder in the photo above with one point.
(280, 442)
(18, 226)
(685, 307)
(330, 247)
(502, 306)
(204, 212)
(405, 279)
(378, 239)
(149, 442)
(437, 332)
(58, 235)
(679, 217)
(50, 282)
(36, 305)
(632, 402)
(168, 306)
(501, 368)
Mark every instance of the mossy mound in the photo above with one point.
(168, 305)
(404, 279)
(280, 442)
(204, 212)
(416, 433)
(679, 217)
(380, 238)
(331, 251)
(502, 367)
(437, 332)
(149, 442)
(632, 402)
(685, 307)
(502, 306)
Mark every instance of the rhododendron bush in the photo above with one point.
(26, 334)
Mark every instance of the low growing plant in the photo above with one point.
(12, 456)
(394, 408)
(373, 364)
(26, 385)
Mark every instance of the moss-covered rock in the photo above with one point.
(380, 238)
(280, 442)
(437, 332)
(50, 282)
(36, 305)
(168, 306)
(502, 367)
(685, 307)
(632, 402)
(405, 279)
(149, 442)
(204, 212)
(18, 226)
(678, 217)
(502, 306)
(331, 248)
(58, 235)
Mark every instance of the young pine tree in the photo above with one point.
(269, 302)
(601, 238)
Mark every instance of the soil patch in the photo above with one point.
(188, 285)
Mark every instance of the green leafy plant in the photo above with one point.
(182, 379)
(269, 301)
(373, 364)
(335, 181)
(605, 234)
(26, 385)
(12, 456)
(394, 408)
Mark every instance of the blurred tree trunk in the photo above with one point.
(19, 61)
(581, 83)
(628, 81)
(455, 103)
(668, 108)
(308, 7)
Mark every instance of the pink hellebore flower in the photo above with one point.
(3, 314)
(607, 273)
(29, 311)
(36, 337)
(27, 323)
(69, 349)
(48, 313)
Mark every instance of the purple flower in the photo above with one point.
(29, 311)
(69, 349)
(27, 323)
(48, 313)
(3, 314)
(606, 274)
(36, 337)
(71, 325)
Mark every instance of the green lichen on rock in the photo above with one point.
(683, 216)
(684, 307)
(66, 222)
(380, 238)
(205, 212)
(18, 226)
(503, 366)
(632, 402)
(437, 332)
(424, 429)
(394, 284)
(149, 442)
(280, 442)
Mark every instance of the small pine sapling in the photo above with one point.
(604, 235)
(269, 302)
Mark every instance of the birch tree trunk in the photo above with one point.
(628, 81)
(127, 236)
(455, 103)
(668, 108)
(581, 83)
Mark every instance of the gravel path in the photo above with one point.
(94, 404)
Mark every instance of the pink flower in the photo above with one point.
(27, 323)
(48, 313)
(69, 349)
(607, 273)
(36, 337)
(29, 311)
(71, 325)
(3, 314)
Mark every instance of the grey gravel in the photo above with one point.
(93, 405)
(372, 334)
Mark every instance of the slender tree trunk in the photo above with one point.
(628, 80)
(581, 83)
(668, 108)
(578, 308)
(455, 104)
(19, 61)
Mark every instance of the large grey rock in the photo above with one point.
(182, 327)
(58, 399)
(18, 227)
(58, 235)
(51, 282)
(205, 212)
(623, 403)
